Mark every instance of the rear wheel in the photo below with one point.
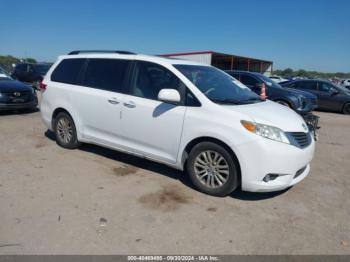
(346, 109)
(65, 131)
(212, 169)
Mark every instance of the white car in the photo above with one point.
(184, 114)
(278, 79)
(346, 83)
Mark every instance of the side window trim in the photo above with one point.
(126, 89)
(318, 86)
(81, 74)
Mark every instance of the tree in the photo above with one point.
(288, 72)
(30, 60)
(300, 72)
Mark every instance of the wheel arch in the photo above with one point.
(344, 105)
(201, 139)
(56, 112)
(288, 102)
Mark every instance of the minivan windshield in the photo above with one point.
(218, 86)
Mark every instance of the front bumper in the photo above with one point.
(17, 106)
(264, 156)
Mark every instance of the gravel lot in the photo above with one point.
(98, 201)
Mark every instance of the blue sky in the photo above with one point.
(313, 35)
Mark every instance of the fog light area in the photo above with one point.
(270, 177)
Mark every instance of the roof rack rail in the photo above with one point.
(76, 52)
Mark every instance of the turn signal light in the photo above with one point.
(248, 125)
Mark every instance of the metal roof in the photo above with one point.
(215, 53)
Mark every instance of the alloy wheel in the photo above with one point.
(211, 169)
(65, 130)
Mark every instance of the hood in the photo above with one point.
(273, 114)
(13, 85)
(300, 92)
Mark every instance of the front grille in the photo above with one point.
(300, 139)
(23, 96)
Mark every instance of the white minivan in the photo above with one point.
(184, 114)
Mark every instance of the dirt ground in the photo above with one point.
(98, 201)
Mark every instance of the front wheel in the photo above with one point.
(346, 109)
(284, 103)
(65, 131)
(212, 169)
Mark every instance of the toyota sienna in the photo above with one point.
(187, 115)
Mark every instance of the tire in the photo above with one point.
(346, 109)
(284, 103)
(205, 176)
(65, 131)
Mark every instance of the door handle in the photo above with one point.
(113, 101)
(130, 104)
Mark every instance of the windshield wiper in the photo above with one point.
(226, 101)
(256, 99)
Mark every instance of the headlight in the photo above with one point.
(270, 132)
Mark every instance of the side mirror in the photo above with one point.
(333, 91)
(171, 96)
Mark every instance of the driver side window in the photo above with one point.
(324, 87)
(149, 78)
(249, 81)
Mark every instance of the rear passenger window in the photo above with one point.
(309, 85)
(68, 71)
(106, 74)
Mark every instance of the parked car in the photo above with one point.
(30, 73)
(331, 97)
(15, 95)
(299, 101)
(277, 79)
(184, 114)
(346, 83)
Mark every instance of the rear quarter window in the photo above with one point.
(68, 71)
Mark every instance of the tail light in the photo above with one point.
(42, 86)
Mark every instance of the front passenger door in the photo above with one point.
(151, 127)
(329, 101)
